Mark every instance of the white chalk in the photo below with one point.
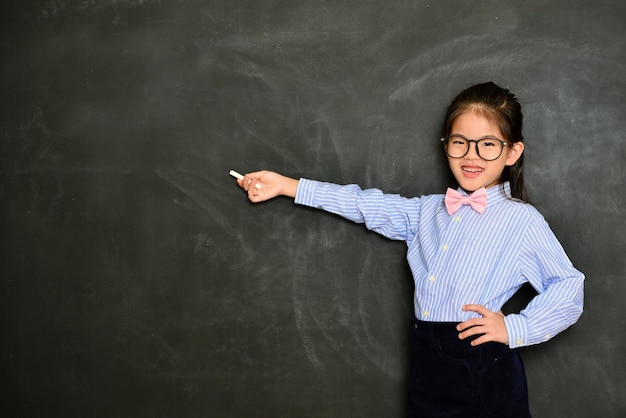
(240, 177)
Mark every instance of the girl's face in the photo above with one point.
(471, 171)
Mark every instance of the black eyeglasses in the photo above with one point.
(488, 148)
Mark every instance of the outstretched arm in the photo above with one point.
(271, 185)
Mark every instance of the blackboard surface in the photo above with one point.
(136, 279)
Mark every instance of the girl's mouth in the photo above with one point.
(471, 171)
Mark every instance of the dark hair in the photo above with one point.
(500, 106)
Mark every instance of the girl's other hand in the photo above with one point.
(271, 185)
(491, 327)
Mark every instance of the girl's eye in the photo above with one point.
(488, 143)
(455, 140)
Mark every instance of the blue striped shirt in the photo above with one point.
(468, 257)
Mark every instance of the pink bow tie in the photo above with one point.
(454, 200)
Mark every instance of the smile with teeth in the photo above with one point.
(473, 170)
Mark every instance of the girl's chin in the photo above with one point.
(472, 186)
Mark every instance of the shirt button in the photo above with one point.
(457, 218)
(432, 279)
(548, 336)
(426, 314)
(444, 247)
(519, 341)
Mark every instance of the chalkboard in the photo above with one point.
(136, 278)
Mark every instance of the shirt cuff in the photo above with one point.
(305, 193)
(517, 328)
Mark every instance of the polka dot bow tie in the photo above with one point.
(477, 200)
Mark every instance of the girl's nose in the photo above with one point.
(472, 152)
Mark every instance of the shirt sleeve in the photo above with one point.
(559, 302)
(392, 216)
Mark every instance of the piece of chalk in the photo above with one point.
(240, 177)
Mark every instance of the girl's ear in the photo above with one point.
(515, 151)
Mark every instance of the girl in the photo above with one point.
(469, 251)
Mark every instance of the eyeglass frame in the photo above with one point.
(475, 141)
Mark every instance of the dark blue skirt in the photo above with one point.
(450, 378)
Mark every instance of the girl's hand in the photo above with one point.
(491, 326)
(271, 185)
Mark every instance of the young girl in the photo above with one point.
(469, 251)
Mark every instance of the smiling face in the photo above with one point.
(471, 171)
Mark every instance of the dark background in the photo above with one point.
(137, 280)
